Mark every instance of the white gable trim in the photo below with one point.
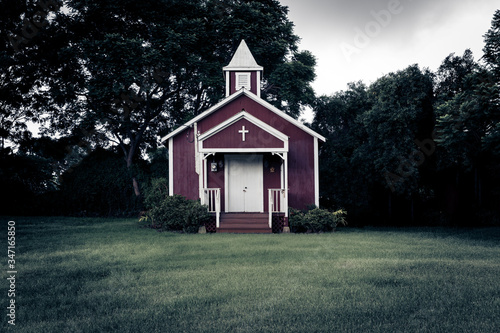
(208, 112)
(283, 115)
(257, 122)
(242, 69)
(250, 118)
(255, 98)
(316, 172)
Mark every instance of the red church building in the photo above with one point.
(245, 159)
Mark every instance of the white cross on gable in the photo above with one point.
(243, 131)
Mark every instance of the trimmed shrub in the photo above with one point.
(173, 213)
(315, 220)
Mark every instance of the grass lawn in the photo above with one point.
(102, 275)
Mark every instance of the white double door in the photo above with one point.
(244, 183)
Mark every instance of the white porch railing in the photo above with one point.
(278, 203)
(211, 198)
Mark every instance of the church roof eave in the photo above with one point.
(252, 96)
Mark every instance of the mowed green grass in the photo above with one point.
(101, 275)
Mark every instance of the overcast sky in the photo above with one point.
(365, 39)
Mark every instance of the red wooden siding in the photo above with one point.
(231, 138)
(301, 173)
(217, 179)
(271, 179)
(300, 155)
(185, 176)
(301, 147)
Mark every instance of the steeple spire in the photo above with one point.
(243, 72)
(243, 59)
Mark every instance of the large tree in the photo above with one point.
(125, 72)
(399, 121)
(378, 140)
(492, 58)
(338, 118)
(27, 41)
(492, 46)
(451, 74)
(469, 116)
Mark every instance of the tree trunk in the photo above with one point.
(477, 186)
(137, 189)
(412, 210)
(390, 206)
(135, 183)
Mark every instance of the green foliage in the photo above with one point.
(337, 117)
(451, 74)
(23, 178)
(124, 73)
(145, 68)
(157, 192)
(316, 220)
(173, 213)
(468, 133)
(468, 120)
(26, 63)
(99, 185)
(290, 82)
(158, 166)
(402, 112)
(371, 134)
(492, 45)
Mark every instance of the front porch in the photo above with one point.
(273, 221)
(248, 223)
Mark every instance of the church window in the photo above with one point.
(243, 81)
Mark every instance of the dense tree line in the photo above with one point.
(104, 79)
(416, 146)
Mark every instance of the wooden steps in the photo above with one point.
(246, 223)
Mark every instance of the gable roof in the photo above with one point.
(262, 126)
(243, 59)
(255, 98)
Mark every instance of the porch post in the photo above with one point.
(316, 172)
(201, 174)
(171, 166)
(199, 159)
(286, 227)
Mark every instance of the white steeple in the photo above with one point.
(243, 59)
(243, 72)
